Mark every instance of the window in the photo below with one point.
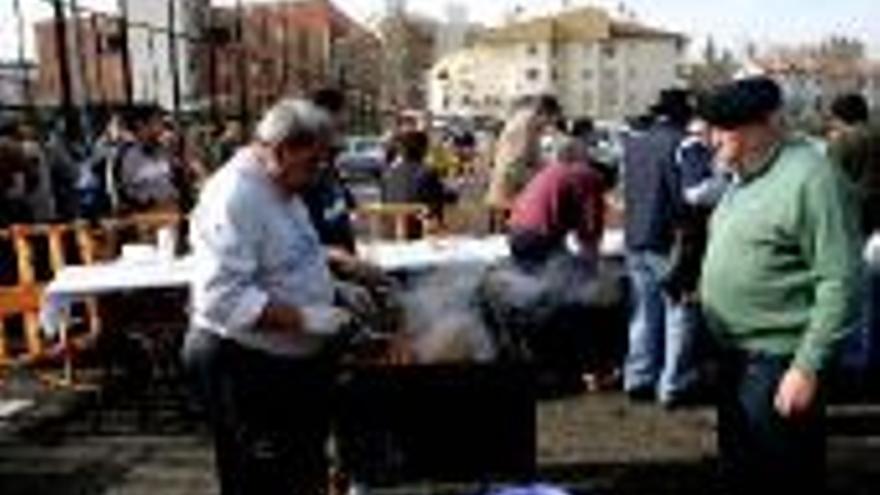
(111, 43)
(554, 75)
(533, 74)
(220, 35)
(681, 70)
(532, 49)
(588, 99)
(609, 50)
(680, 45)
(612, 98)
(588, 74)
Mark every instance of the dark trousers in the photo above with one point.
(270, 416)
(759, 449)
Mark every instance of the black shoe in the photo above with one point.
(641, 394)
(694, 397)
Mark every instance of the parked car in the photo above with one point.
(607, 145)
(363, 158)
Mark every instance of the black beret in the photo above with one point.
(741, 102)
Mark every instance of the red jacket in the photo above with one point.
(562, 198)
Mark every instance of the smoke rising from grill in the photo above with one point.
(442, 314)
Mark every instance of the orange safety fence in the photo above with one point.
(31, 256)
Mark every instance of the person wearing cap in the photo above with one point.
(778, 288)
(660, 360)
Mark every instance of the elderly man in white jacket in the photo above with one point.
(263, 310)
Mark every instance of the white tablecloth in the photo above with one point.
(74, 283)
(78, 282)
(431, 253)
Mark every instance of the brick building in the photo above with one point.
(96, 66)
(284, 48)
(293, 48)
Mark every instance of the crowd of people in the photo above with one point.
(742, 245)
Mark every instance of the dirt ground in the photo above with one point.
(588, 443)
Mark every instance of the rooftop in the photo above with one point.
(579, 24)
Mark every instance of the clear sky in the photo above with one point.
(731, 22)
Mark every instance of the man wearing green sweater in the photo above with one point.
(779, 288)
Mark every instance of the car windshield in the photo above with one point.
(365, 145)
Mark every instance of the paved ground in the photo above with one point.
(133, 445)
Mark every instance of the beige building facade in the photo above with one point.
(597, 66)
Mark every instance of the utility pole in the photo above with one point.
(242, 65)
(174, 62)
(285, 50)
(126, 55)
(210, 37)
(99, 62)
(81, 77)
(70, 123)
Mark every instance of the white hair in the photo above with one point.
(294, 120)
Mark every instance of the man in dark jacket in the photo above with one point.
(659, 363)
(855, 147)
(15, 174)
(328, 199)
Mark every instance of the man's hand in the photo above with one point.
(325, 320)
(796, 393)
(355, 299)
(348, 267)
(340, 258)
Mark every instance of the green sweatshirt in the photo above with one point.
(781, 271)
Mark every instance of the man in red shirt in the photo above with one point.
(564, 197)
(542, 299)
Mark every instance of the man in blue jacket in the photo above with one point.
(659, 363)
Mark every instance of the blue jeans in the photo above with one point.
(861, 348)
(760, 451)
(662, 333)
